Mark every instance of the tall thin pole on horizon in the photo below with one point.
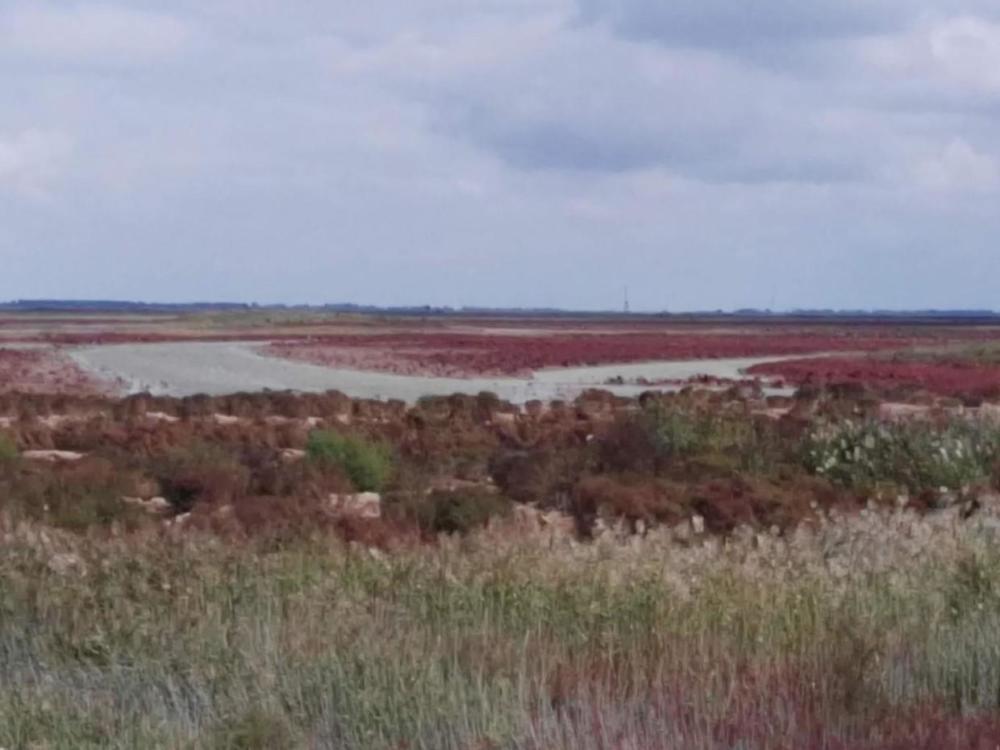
(626, 301)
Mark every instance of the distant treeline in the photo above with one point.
(119, 306)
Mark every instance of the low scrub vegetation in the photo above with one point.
(77, 497)
(8, 448)
(201, 472)
(659, 460)
(367, 463)
(682, 570)
(914, 457)
(451, 511)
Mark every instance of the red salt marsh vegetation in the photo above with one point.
(47, 371)
(450, 354)
(968, 380)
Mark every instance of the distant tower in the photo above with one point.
(626, 301)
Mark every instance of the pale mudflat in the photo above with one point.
(217, 368)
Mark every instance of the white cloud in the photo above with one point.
(962, 51)
(89, 33)
(968, 50)
(32, 160)
(958, 167)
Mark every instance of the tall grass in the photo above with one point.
(870, 631)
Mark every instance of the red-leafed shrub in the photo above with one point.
(200, 473)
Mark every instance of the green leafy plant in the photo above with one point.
(368, 464)
(8, 448)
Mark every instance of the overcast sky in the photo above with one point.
(706, 153)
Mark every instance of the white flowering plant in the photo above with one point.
(916, 456)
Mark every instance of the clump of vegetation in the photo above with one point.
(200, 472)
(8, 448)
(663, 433)
(915, 456)
(368, 464)
(453, 511)
(543, 477)
(77, 497)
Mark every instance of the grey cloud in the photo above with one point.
(700, 115)
(761, 26)
(722, 153)
(743, 23)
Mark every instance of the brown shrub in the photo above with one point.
(628, 446)
(200, 473)
(543, 477)
(377, 533)
(633, 500)
(282, 519)
(75, 496)
(748, 501)
(449, 511)
(307, 479)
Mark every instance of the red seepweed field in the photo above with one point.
(48, 371)
(459, 354)
(956, 379)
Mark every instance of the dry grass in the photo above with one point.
(872, 631)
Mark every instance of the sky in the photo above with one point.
(704, 153)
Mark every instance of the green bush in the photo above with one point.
(367, 463)
(8, 449)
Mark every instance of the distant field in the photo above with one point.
(487, 349)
